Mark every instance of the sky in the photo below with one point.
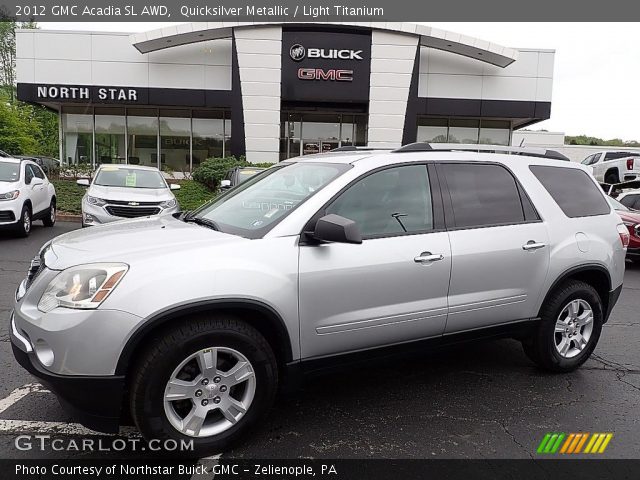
(596, 88)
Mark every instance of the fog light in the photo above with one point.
(44, 352)
(88, 218)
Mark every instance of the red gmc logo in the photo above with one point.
(321, 74)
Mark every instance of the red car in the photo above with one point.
(631, 218)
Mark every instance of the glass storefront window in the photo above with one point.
(175, 139)
(142, 136)
(463, 131)
(209, 136)
(77, 140)
(495, 132)
(432, 130)
(110, 135)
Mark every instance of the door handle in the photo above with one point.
(426, 257)
(531, 245)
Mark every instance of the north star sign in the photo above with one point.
(97, 94)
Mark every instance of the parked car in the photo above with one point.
(25, 195)
(47, 164)
(614, 167)
(201, 316)
(126, 191)
(631, 219)
(630, 199)
(237, 175)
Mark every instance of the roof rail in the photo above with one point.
(472, 147)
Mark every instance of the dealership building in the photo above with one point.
(270, 91)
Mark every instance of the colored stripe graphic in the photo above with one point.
(573, 443)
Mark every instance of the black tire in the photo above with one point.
(541, 346)
(50, 219)
(25, 222)
(611, 178)
(166, 352)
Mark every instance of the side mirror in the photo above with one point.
(83, 182)
(174, 186)
(334, 228)
(36, 181)
(224, 184)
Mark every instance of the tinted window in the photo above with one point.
(483, 195)
(37, 172)
(588, 160)
(389, 202)
(573, 190)
(616, 155)
(28, 174)
(631, 201)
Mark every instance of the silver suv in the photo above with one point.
(188, 323)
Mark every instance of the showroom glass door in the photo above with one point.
(311, 133)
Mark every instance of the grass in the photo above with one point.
(190, 196)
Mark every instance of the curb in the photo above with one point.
(64, 217)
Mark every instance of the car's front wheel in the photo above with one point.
(23, 227)
(571, 322)
(208, 380)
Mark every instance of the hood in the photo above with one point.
(129, 241)
(8, 186)
(626, 216)
(125, 194)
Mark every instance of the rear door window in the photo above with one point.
(573, 190)
(484, 195)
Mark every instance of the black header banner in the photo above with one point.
(182, 11)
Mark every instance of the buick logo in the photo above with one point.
(297, 52)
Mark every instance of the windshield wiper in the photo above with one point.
(205, 222)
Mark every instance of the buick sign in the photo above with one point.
(297, 52)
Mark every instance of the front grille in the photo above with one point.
(7, 216)
(131, 212)
(127, 203)
(35, 268)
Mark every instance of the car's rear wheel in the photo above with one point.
(208, 380)
(23, 227)
(611, 178)
(50, 219)
(571, 322)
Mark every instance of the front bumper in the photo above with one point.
(94, 215)
(10, 211)
(96, 402)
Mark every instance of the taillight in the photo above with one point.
(629, 163)
(624, 235)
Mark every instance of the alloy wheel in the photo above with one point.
(209, 392)
(573, 328)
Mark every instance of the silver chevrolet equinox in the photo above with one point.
(187, 324)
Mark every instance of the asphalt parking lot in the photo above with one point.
(476, 401)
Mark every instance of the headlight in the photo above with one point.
(169, 203)
(83, 287)
(98, 202)
(10, 195)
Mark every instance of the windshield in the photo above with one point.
(616, 205)
(254, 207)
(9, 172)
(129, 178)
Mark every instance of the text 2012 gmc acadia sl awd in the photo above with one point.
(188, 323)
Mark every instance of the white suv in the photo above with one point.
(25, 195)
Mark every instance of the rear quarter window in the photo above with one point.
(573, 190)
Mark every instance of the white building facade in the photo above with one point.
(173, 97)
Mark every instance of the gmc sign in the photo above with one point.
(330, 74)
